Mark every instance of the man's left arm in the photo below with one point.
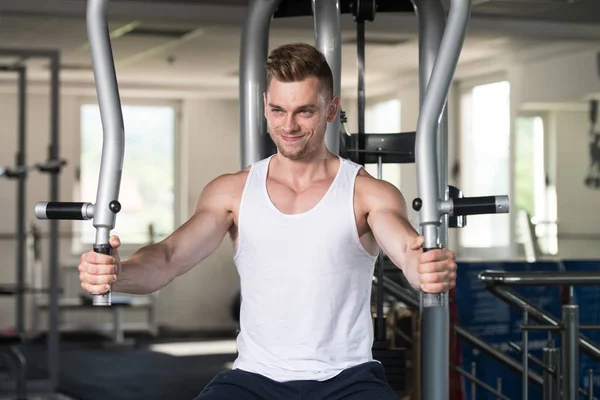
(433, 271)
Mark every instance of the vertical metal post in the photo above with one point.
(54, 270)
(254, 139)
(473, 384)
(525, 357)
(380, 320)
(553, 362)
(591, 386)
(361, 95)
(328, 40)
(548, 378)
(435, 346)
(499, 385)
(557, 382)
(21, 203)
(570, 320)
(416, 358)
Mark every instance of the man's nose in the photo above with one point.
(290, 124)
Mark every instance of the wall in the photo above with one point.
(204, 295)
(563, 78)
(558, 88)
(577, 205)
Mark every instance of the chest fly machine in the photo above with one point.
(441, 37)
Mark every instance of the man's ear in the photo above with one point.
(334, 106)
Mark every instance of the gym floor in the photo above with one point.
(141, 369)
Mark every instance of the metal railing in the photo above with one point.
(554, 383)
(557, 384)
(408, 297)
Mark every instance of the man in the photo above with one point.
(306, 228)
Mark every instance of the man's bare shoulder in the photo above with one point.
(226, 189)
(231, 181)
(367, 183)
(373, 192)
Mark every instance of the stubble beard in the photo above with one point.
(300, 150)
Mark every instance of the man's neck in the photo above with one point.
(300, 173)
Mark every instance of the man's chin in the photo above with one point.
(292, 155)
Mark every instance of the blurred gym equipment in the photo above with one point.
(592, 179)
(53, 167)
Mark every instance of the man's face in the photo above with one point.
(297, 114)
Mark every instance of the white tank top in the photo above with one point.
(305, 283)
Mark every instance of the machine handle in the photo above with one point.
(64, 210)
(113, 149)
(107, 204)
(104, 299)
(432, 299)
(480, 205)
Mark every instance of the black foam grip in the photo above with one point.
(431, 248)
(64, 210)
(103, 249)
(475, 205)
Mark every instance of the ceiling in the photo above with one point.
(193, 45)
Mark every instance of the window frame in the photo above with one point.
(179, 167)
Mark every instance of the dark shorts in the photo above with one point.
(366, 381)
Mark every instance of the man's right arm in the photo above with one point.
(154, 266)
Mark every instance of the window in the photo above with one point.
(384, 117)
(148, 189)
(484, 160)
(529, 164)
(532, 194)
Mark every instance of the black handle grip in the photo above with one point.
(56, 210)
(103, 249)
(426, 249)
(104, 299)
(475, 205)
(63, 210)
(480, 205)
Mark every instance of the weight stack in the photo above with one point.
(394, 364)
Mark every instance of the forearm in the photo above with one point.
(408, 262)
(146, 271)
(395, 235)
(433, 271)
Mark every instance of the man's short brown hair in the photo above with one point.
(297, 61)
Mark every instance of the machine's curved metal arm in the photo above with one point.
(328, 40)
(254, 140)
(107, 204)
(433, 104)
(440, 48)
